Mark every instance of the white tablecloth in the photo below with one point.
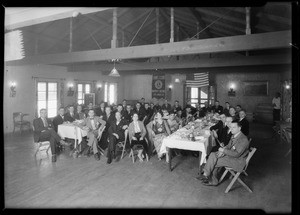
(71, 131)
(202, 144)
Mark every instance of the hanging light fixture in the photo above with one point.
(114, 72)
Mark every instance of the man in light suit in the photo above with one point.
(233, 155)
(43, 131)
(93, 123)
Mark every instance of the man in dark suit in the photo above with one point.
(79, 115)
(43, 131)
(140, 111)
(204, 110)
(244, 122)
(100, 111)
(217, 108)
(70, 116)
(128, 113)
(166, 106)
(109, 118)
(233, 155)
(59, 119)
(116, 133)
(176, 106)
(221, 132)
(149, 113)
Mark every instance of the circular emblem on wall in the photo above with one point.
(158, 84)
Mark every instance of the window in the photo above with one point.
(47, 95)
(82, 89)
(110, 93)
(200, 95)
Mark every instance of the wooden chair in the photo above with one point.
(236, 175)
(287, 137)
(132, 150)
(19, 122)
(122, 144)
(41, 145)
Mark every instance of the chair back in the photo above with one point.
(16, 115)
(286, 136)
(250, 154)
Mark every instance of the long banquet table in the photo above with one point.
(180, 139)
(72, 131)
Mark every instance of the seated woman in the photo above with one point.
(173, 124)
(158, 130)
(137, 133)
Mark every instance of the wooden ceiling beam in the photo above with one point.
(281, 39)
(186, 64)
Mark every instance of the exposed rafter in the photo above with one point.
(39, 15)
(202, 24)
(273, 40)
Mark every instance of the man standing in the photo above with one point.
(276, 108)
(43, 131)
(93, 123)
(233, 155)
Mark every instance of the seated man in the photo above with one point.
(140, 111)
(217, 108)
(93, 123)
(176, 106)
(128, 113)
(244, 123)
(59, 119)
(116, 133)
(79, 115)
(166, 106)
(223, 135)
(218, 130)
(233, 155)
(70, 116)
(43, 131)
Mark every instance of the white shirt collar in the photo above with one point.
(236, 134)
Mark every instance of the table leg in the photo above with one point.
(200, 166)
(169, 153)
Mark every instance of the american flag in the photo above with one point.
(197, 79)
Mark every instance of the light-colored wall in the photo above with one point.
(24, 100)
(225, 77)
(140, 86)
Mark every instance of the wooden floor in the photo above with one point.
(86, 183)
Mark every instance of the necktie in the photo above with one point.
(45, 122)
(93, 123)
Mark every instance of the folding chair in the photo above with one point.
(41, 145)
(136, 147)
(99, 138)
(122, 144)
(237, 174)
(19, 121)
(287, 136)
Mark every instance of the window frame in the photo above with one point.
(47, 96)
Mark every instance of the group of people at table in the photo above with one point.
(148, 124)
